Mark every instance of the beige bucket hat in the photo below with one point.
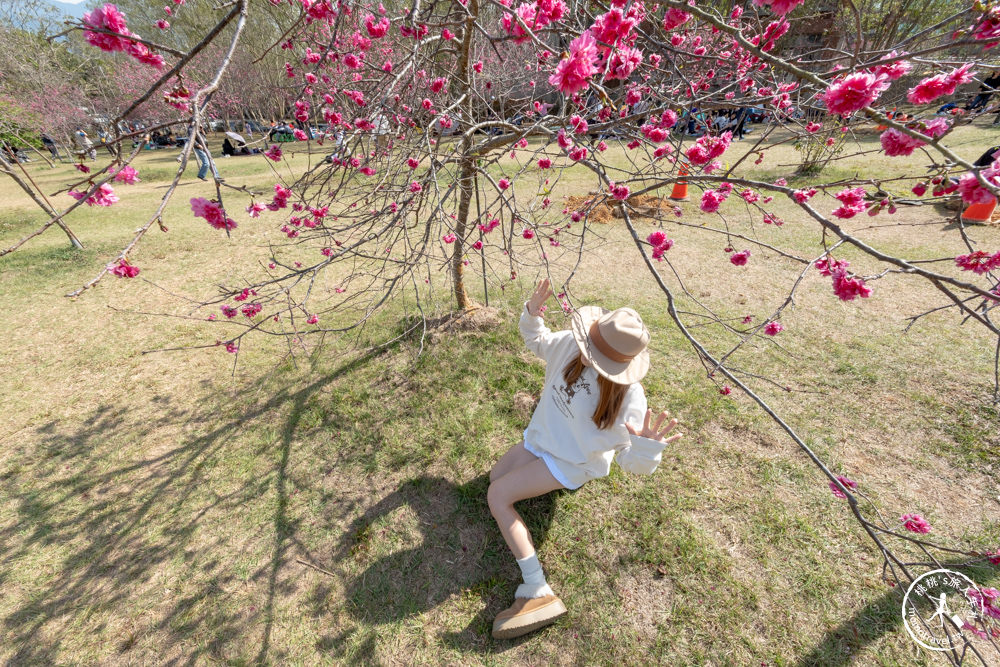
(615, 342)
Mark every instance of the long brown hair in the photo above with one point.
(611, 397)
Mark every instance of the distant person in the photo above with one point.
(986, 159)
(201, 153)
(50, 144)
(986, 90)
(227, 148)
(84, 146)
(741, 122)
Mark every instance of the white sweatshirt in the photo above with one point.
(563, 427)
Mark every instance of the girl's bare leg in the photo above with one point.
(515, 457)
(527, 481)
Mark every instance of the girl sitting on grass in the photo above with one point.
(586, 416)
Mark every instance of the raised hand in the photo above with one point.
(541, 293)
(654, 432)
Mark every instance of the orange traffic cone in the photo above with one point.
(680, 192)
(979, 212)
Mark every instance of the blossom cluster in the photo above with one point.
(109, 18)
(212, 212)
(661, 244)
(104, 195)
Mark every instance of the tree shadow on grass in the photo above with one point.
(880, 617)
(460, 553)
(168, 532)
(107, 530)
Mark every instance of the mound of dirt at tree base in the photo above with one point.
(642, 206)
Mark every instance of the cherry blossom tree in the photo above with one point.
(450, 123)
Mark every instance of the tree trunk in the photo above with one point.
(467, 178)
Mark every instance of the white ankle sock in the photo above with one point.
(534, 585)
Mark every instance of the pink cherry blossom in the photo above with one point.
(813, 128)
(978, 262)
(802, 196)
(935, 86)
(572, 73)
(853, 200)
(544, 163)
(415, 187)
(273, 153)
(623, 62)
(711, 200)
(854, 92)
(893, 70)
(915, 523)
(106, 18)
(708, 148)
(449, 238)
(376, 30)
(772, 33)
(660, 250)
(987, 603)
(773, 328)
(827, 265)
(503, 184)
(528, 233)
(972, 191)
(313, 319)
(726, 390)
(779, 7)
(740, 258)
(213, 213)
(847, 484)
(142, 53)
(674, 17)
(82, 168)
(895, 143)
(661, 244)
(612, 27)
(988, 28)
(127, 175)
(124, 270)
(488, 227)
(619, 192)
(103, 196)
(847, 289)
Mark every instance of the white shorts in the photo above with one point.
(565, 473)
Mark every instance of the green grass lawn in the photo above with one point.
(331, 509)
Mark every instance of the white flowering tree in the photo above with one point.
(449, 123)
